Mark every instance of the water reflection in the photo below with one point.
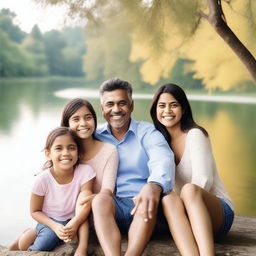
(30, 109)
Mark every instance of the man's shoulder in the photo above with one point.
(101, 128)
(143, 126)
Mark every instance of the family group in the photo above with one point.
(128, 177)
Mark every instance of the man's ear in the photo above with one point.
(132, 106)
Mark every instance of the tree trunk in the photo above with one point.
(217, 19)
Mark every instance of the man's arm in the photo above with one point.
(162, 174)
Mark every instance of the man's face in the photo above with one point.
(117, 108)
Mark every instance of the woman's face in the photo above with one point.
(168, 111)
(82, 123)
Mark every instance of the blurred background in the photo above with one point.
(51, 52)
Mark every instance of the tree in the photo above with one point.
(54, 45)
(15, 60)
(6, 24)
(217, 19)
(162, 31)
(34, 44)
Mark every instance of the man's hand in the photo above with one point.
(146, 202)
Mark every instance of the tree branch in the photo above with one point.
(217, 19)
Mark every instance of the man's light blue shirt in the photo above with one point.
(144, 157)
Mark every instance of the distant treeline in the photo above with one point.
(75, 51)
(37, 54)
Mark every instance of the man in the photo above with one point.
(146, 169)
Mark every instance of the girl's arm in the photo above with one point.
(109, 174)
(82, 210)
(36, 206)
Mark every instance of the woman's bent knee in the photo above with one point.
(190, 191)
(172, 203)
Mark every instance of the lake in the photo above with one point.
(31, 108)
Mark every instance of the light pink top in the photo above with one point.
(60, 199)
(105, 165)
(197, 166)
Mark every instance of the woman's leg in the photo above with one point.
(179, 225)
(24, 240)
(205, 216)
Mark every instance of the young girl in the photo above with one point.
(54, 196)
(201, 210)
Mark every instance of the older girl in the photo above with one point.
(79, 115)
(201, 209)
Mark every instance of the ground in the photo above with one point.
(241, 241)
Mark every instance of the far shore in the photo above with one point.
(94, 94)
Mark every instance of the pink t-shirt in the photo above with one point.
(60, 199)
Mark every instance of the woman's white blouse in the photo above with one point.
(197, 166)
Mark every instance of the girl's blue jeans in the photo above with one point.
(46, 239)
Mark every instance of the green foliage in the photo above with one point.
(15, 61)
(6, 24)
(37, 54)
(162, 32)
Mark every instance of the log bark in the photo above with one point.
(241, 240)
(217, 19)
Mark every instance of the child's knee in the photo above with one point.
(46, 240)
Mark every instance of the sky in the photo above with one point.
(30, 13)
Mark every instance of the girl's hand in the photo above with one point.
(60, 231)
(71, 230)
(85, 200)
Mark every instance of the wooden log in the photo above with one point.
(241, 240)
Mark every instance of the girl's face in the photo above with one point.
(82, 123)
(63, 153)
(168, 111)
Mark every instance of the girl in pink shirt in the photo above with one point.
(54, 196)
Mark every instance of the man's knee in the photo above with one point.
(102, 203)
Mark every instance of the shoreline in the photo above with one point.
(94, 94)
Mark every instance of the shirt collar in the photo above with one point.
(106, 128)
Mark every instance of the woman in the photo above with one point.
(200, 209)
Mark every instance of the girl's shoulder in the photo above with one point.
(83, 167)
(43, 174)
(107, 147)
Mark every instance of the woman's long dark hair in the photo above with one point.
(72, 106)
(187, 122)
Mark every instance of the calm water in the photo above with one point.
(30, 109)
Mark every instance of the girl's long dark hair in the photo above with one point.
(187, 122)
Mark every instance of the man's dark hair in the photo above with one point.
(115, 84)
